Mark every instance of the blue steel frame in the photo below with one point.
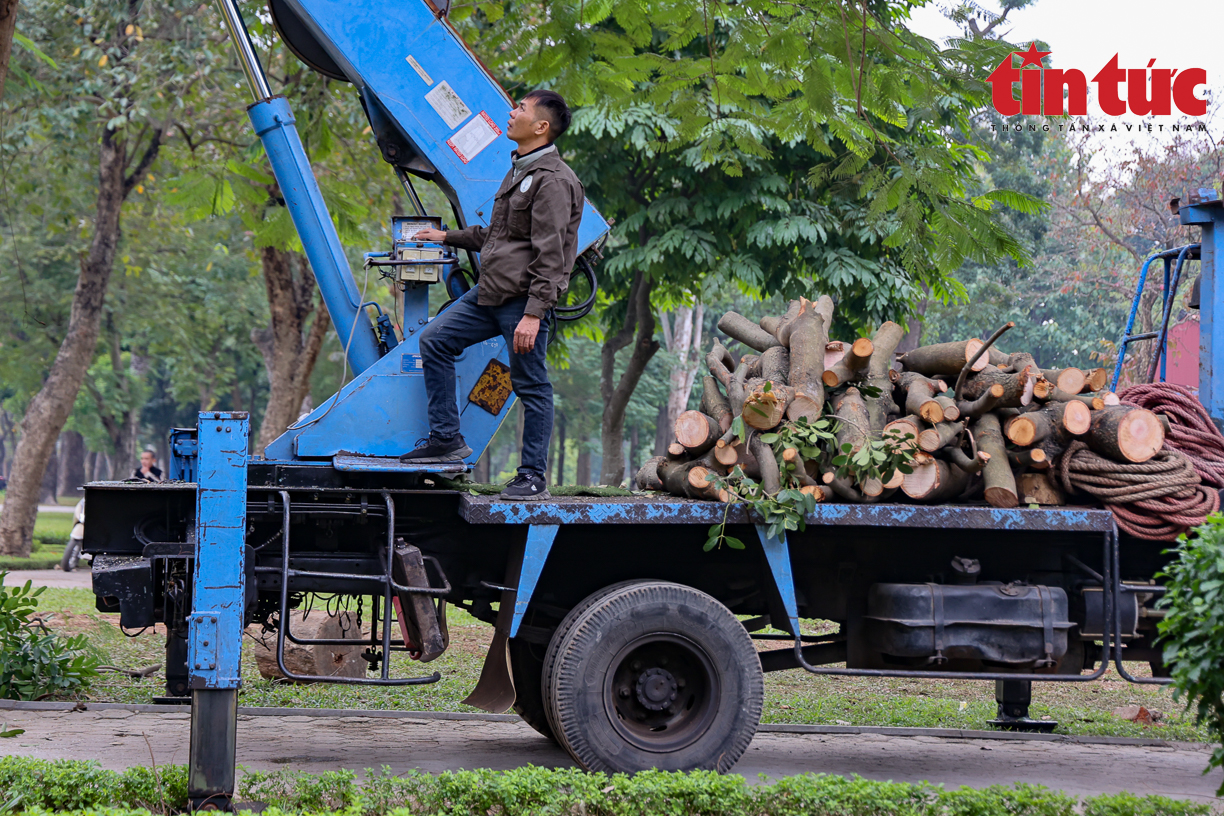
(1171, 281)
(402, 52)
(214, 642)
(1210, 216)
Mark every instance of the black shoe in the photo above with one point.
(524, 487)
(432, 450)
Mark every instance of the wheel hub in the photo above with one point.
(661, 692)
(656, 689)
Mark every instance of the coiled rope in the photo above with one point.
(1157, 500)
(1191, 430)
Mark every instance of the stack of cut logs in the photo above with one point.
(982, 423)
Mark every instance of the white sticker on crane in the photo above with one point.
(447, 103)
(474, 137)
(421, 71)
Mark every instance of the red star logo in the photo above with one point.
(1032, 56)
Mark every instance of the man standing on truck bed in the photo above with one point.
(526, 254)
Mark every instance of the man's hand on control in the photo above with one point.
(525, 334)
(430, 235)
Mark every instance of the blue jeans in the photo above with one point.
(466, 323)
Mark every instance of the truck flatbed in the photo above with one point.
(663, 509)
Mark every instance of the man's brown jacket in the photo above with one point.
(530, 244)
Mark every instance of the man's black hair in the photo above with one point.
(553, 108)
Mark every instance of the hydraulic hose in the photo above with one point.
(567, 313)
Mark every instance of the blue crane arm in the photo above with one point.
(434, 110)
(436, 114)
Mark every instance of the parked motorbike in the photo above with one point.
(72, 550)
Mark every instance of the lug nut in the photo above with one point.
(624, 691)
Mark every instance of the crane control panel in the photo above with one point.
(418, 261)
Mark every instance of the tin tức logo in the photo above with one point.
(1054, 91)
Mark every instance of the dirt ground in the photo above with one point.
(435, 742)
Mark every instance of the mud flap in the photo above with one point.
(422, 624)
(494, 691)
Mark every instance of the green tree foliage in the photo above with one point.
(1192, 630)
(1058, 321)
(798, 147)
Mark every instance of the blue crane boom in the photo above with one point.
(437, 115)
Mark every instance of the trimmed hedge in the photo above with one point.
(63, 785)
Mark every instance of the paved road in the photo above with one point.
(117, 738)
(79, 578)
(52, 508)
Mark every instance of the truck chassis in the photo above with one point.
(614, 633)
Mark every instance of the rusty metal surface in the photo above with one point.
(493, 388)
(667, 510)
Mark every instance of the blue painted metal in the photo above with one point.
(1168, 293)
(214, 642)
(183, 454)
(382, 412)
(638, 510)
(375, 464)
(418, 78)
(777, 554)
(275, 126)
(540, 539)
(379, 45)
(1210, 216)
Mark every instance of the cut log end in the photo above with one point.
(932, 412)
(1077, 418)
(1097, 379)
(1126, 434)
(971, 348)
(1001, 497)
(697, 432)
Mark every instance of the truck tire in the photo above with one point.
(528, 662)
(527, 669)
(653, 675)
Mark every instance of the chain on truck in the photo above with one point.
(609, 637)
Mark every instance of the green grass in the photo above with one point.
(53, 525)
(790, 697)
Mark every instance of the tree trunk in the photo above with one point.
(638, 328)
(49, 409)
(8, 24)
(583, 474)
(635, 448)
(6, 432)
(289, 347)
(662, 431)
(683, 340)
(71, 464)
(46, 490)
(560, 448)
